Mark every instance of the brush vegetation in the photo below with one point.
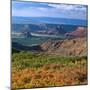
(31, 70)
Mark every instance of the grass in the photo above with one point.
(30, 70)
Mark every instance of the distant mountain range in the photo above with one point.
(52, 33)
(48, 20)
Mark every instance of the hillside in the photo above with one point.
(30, 70)
(73, 47)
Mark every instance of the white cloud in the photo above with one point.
(61, 6)
(68, 7)
(54, 5)
(42, 9)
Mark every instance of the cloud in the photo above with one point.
(42, 9)
(34, 9)
(60, 6)
(68, 7)
(22, 5)
(31, 12)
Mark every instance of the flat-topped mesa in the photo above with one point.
(79, 32)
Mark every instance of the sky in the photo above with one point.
(34, 9)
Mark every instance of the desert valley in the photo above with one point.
(49, 45)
